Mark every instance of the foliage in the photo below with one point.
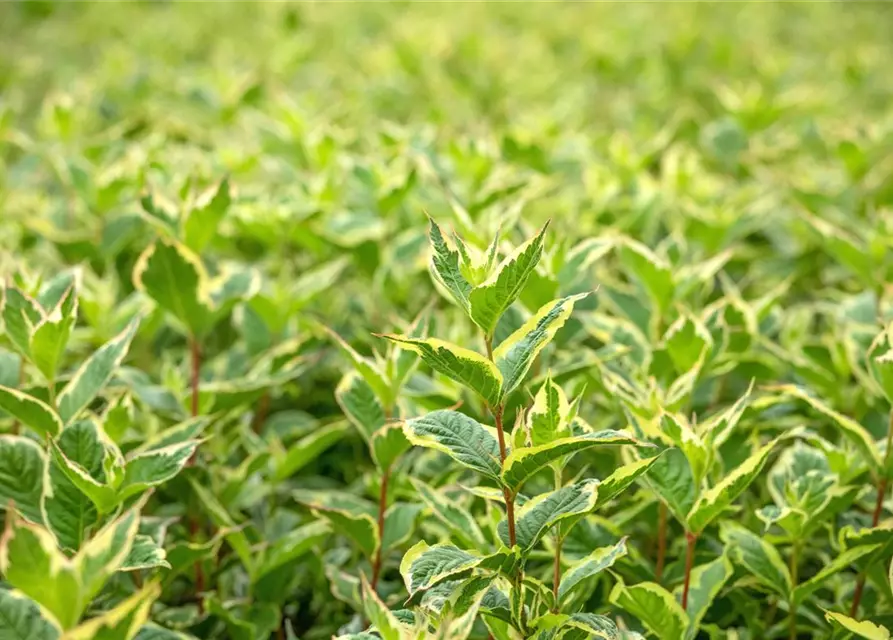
(392, 321)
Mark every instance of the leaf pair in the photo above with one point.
(485, 302)
(493, 380)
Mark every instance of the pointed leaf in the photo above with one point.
(838, 563)
(706, 581)
(457, 363)
(521, 464)
(22, 619)
(516, 354)
(538, 515)
(378, 613)
(121, 623)
(175, 278)
(92, 376)
(652, 272)
(70, 512)
(31, 412)
(445, 268)
(50, 336)
(715, 500)
(350, 515)
(451, 514)
(388, 444)
(547, 419)
(671, 478)
(758, 557)
(152, 468)
(201, 224)
(852, 430)
(861, 628)
(654, 606)
(623, 477)
(462, 438)
(22, 466)
(360, 404)
(307, 449)
(20, 315)
(424, 567)
(489, 300)
(593, 564)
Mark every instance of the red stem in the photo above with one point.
(691, 539)
(661, 541)
(263, 408)
(875, 518)
(509, 498)
(382, 507)
(196, 362)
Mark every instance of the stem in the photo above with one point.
(691, 539)
(196, 357)
(382, 506)
(196, 363)
(876, 515)
(263, 408)
(509, 498)
(559, 541)
(661, 541)
(488, 342)
(793, 567)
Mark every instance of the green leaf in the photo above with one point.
(22, 469)
(457, 363)
(388, 444)
(175, 278)
(671, 478)
(145, 554)
(516, 354)
(685, 341)
(861, 628)
(31, 412)
(350, 515)
(445, 268)
(360, 404)
(152, 468)
(654, 606)
(591, 565)
(369, 370)
(715, 500)
(577, 626)
(22, 619)
(758, 557)
(378, 614)
(306, 450)
(565, 505)
(235, 536)
(880, 363)
(852, 430)
(121, 623)
(101, 494)
(50, 335)
(70, 513)
(623, 477)
(838, 563)
(706, 581)
(462, 438)
(92, 376)
(451, 513)
(201, 223)
(20, 315)
(296, 543)
(548, 417)
(680, 433)
(31, 563)
(521, 464)
(489, 300)
(652, 272)
(424, 567)
(399, 523)
(34, 565)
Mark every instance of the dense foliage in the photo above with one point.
(446, 321)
